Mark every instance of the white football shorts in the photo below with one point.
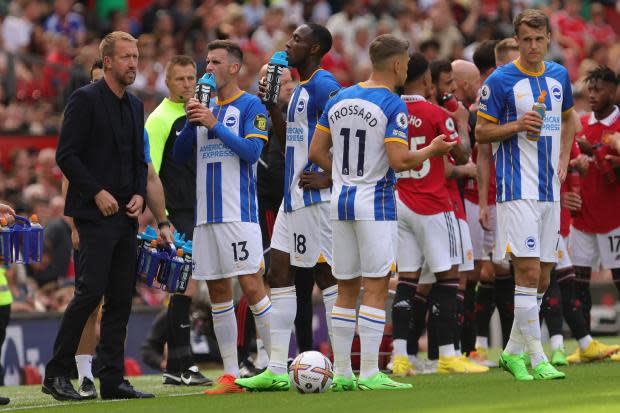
(528, 228)
(226, 249)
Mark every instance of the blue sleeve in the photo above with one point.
(182, 150)
(397, 124)
(325, 89)
(492, 96)
(147, 148)
(567, 92)
(248, 149)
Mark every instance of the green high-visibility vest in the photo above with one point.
(5, 293)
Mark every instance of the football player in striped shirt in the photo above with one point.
(365, 126)
(531, 159)
(229, 138)
(302, 231)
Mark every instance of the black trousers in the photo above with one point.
(183, 221)
(107, 262)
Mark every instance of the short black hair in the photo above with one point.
(604, 74)
(429, 44)
(417, 66)
(438, 67)
(97, 64)
(484, 56)
(322, 36)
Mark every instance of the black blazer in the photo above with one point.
(88, 150)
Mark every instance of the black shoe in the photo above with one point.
(4, 400)
(190, 377)
(87, 389)
(247, 369)
(123, 391)
(60, 388)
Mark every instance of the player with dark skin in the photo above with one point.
(304, 54)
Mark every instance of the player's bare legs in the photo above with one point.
(84, 356)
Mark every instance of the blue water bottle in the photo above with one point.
(36, 239)
(204, 87)
(276, 65)
(5, 242)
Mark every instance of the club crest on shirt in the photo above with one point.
(556, 92)
(230, 121)
(485, 92)
(401, 120)
(301, 106)
(260, 122)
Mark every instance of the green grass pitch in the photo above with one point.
(590, 388)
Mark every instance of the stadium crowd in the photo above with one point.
(50, 47)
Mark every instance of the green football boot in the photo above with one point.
(545, 371)
(341, 383)
(381, 381)
(558, 357)
(266, 381)
(515, 365)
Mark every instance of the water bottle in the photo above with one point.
(177, 263)
(186, 274)
(5, 242)
(540, 108)
(36, 239)
(204, 87)
(573, 180)
(146, 272)
(275, 67)
(449, 102)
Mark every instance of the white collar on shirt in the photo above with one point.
(608, 121)
(413, 98)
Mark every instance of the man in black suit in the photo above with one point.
(100, 151)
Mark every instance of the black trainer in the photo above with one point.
(190, 377)
(87, 389)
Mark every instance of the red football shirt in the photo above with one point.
(471, 185)
(565, 218)
(600, 200)
(424, 190)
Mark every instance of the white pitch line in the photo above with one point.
(59, 404)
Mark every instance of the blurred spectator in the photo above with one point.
(443, 30)
(17, 29)
(254, 12)
(65, 22)
(269, 33)
(598, 30)
(336, 60)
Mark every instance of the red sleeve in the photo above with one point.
(446, 125)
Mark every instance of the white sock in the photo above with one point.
(482, 342)
(447, 350)
(516, 343)
(225, 327)
(262, 356)
(262, 317)
(343, 328)
(84, 364)
(370, 324)
(539, 300)
(584, 342)
(400, 347)
(283, 312)
(329, 299)
(526, 316)
(556, 342)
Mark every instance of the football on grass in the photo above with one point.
(311, 372)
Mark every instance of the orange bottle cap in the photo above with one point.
(34, 218)
(541, 98)
(154, 243)
(3, 222)
(179, 252)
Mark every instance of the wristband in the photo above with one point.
(163, 224)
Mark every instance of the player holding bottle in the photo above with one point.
(529, 172)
